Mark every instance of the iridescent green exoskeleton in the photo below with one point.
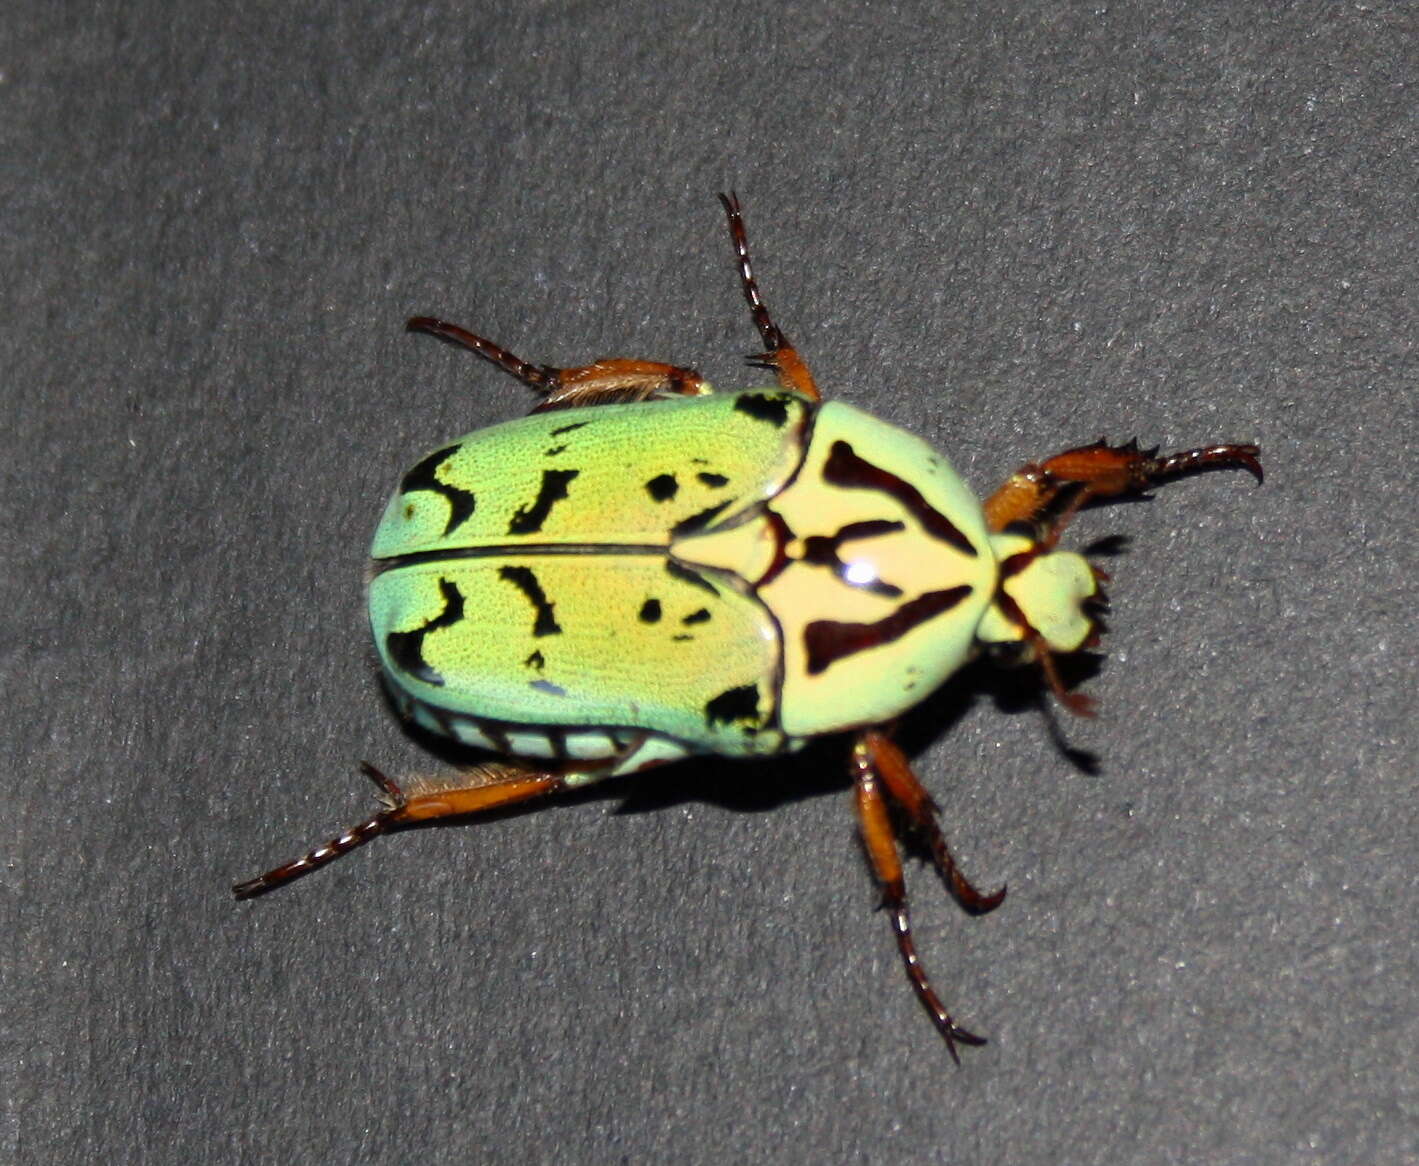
(644, 569)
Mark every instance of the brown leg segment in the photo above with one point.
(484, 787)
(1102, 471)
(603, 382)
(778, 355)
(906, 790)
(876, 764)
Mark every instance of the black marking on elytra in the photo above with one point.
(686, 575)
(406, 649)
(548, 687)
(554, 451)
(662, 487)
(822, 551)
(713, 481)
(697, 522)
(536, 660)
(545, 623)
(734, 704)
(567, 428)
(769, 407)
(681, 638)
(700, 616)
(844, 468)
(650, 611)
(828, 641)
(424, 476)
(529, 519)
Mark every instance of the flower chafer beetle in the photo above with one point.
(644, 569)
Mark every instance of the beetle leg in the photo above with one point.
(1102, 471)
(778, 355)
(906, 790)
(603, 382)
(880, 842)
(484, 787)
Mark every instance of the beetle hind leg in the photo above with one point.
(779, 355)
(603, 382)
(472, 791)
(881, 769)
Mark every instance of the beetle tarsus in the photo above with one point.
(540, 376)
(1212, 457)
(481, 788)
(779, 355)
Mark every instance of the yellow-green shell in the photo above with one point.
(524, 576)
(730, 573)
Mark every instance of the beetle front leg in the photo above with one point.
(604, 382)
(877, 763)
(484, 787)
(778, 355)
(1103, 471)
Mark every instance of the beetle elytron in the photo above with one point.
(644, 569)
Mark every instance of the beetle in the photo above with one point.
(644, 569)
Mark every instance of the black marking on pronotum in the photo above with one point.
(697, 522)
(713, 481)
(548, 687)
(694, 578)
(406, 649)
(822, 550)
(662, 487)
(529, 519)
(650, 611)
(827, 640)
(567, 428)
(844, 468)
(545, 623)
(536, 660)
(734, 704)
(424, 476)
(700, 616)
(769, 407)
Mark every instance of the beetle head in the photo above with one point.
(1041, 604)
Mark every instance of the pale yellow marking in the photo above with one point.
(747, 549)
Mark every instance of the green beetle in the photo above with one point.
(644, 569)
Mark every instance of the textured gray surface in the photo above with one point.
(1010, 226)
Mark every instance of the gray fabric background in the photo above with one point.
(1010, 226)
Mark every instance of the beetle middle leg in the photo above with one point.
(778, 355)
(472, 791)
(881, 770)
(603, 382)
(1101, 471)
